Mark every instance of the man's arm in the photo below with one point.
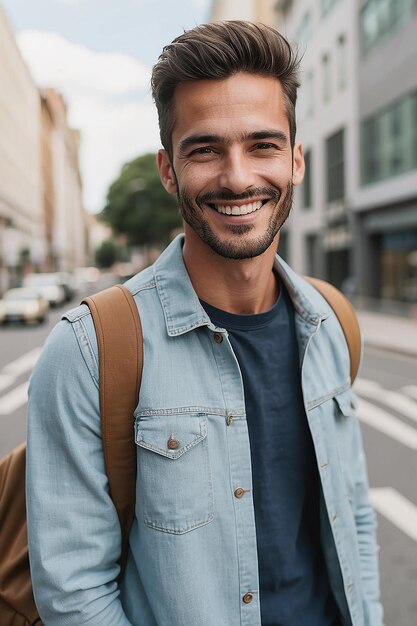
(74, 534)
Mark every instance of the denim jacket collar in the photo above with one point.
(182, 309)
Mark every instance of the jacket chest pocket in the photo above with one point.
(174, 482)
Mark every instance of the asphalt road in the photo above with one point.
(388, 409)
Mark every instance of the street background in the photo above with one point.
(79, 188)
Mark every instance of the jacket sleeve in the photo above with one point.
(365, 520)
(73, 529)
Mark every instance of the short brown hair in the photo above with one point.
(219, 50)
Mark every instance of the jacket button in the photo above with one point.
(239, 492)
(173, 444)
(247, 598)
(229, 420)
(218, 337)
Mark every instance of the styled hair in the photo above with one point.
(220, 50)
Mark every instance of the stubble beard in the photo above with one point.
(239, 246)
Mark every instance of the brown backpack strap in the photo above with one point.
(120, 348)
(347, 318)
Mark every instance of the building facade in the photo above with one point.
(22, 235)
(385, 208)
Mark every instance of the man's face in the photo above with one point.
(232, 167)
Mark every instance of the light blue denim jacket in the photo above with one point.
(193, 553)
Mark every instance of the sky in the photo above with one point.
(99, 54)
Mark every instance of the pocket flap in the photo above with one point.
(347, 402)
(170, 438)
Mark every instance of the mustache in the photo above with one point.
(212, 197)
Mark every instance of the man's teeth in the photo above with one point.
(239, 210)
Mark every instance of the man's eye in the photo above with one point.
(265, 146)
(202, 150)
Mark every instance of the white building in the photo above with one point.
(21, 213)
(319, 229)
(69, 235)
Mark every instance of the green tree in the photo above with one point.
(106, 253)
(138, 206)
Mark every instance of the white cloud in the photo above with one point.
(72, 67)
(108, 102)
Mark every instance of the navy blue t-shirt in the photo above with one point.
(294, 585)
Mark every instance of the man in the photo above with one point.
(252, 499)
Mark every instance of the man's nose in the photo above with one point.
(237, 173)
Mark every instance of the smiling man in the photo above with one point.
(252, 501)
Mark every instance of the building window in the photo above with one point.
(335, 154)
(305, 100)
(389, 141)
(380, 18)
(306, 189)
(326, 6)
(327, 76)
(341, 63)
(304, 29)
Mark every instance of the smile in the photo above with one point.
(243, 209)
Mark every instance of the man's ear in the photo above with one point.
(166, 171)
(298, 164)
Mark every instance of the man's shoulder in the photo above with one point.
(144, 280)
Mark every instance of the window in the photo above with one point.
(341, 63)
(326, 6)
(327, 77)
(335, 153)
(380, 18)
(305, 100)
(389, 141)
(306, 186)
(304, 30)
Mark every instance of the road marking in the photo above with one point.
(410, 390)
(22, 364)
(5, 381)
(384, 422)
(392, 399)
(397, 509)
(14, 399)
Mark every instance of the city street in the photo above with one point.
(388, 410)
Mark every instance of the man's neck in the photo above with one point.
(242, 287)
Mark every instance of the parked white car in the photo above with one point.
(48, 285)
(23, 305)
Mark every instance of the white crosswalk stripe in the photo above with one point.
(387, 424)
(391, 399)
(14, 399)
(397, 509)
(410, 390)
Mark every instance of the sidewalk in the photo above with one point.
(389, 332)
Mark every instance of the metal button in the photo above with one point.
(239, 492)
(229, 420)
(218, 337)
(173, 444)
(247, 598)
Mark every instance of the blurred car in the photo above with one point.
(86, 277)
(68, 284)
(23, 305)
(48, 285)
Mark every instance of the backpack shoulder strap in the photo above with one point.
(120, 348)
(348, 320)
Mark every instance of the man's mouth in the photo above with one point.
(242, 209)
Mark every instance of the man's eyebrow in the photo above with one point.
(192, 140)
(259, 135)
(268, 134)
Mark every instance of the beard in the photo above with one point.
(239, 245)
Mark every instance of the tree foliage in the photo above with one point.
(138, 205)
(106, 254)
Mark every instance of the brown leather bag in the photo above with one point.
(120, 345)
